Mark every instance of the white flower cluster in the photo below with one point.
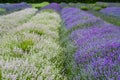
(32, 50)
(15, 19)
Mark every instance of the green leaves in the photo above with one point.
(26, 45)
(2, 11)
(97, 8)
(84, 8)
(40, 5)
(0, 74)
(39, 32)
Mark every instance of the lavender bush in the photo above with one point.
(31, 51)
(110, 4)
(15, 19)
(98, 51)
(3, 5)
(114, 11)
(73, 17)
(53, 6)
(98, 47)
(63, 5)
(22, 5)
(13, 7)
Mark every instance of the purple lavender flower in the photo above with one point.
(73, 17)
(13, 7)
(114, 11)
(113, 4)
(62, 4)
(87, 33)
(99, 47)
(1, 5)
(53, 6)
(107, 67)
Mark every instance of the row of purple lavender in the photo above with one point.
(73, 17)
(53, 6)
(13, 7)
(114, 11)
(98, 46)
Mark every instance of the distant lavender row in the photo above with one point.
(72, 17)
(53, 6)
(2, 6)
(98, 50)
(110, 4)
(114, 11)
(13, 7)
(63, 5)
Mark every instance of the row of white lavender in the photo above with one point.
(15, 19)
(32, 51)
(13, 7)
(98, 47)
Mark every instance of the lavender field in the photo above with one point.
(60, 41)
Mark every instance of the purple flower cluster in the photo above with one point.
(63, 5)
(99, 47)
(1, 5)
(13, 7)
(114, 11)
(107, 67)
(113, 4)
(53, 6)
(4, 6)
(72, 17)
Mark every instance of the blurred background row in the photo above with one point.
(36, 1)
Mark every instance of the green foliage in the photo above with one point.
(40, 5)
(97, 8)
(84, 8)
(0, 74)
(102, 5)
(38, 1)
(16, 55)
(68, 50)
(26, 45)
(37, 32)
(2, 11)
(107, 18)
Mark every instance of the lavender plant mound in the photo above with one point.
(63, 5)
(22, 5)
(2, 5)
(53, 6)
(98, 51)
(110, 4)
(114, 11)
(72, 17)
(13, 7)
(85, 33)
